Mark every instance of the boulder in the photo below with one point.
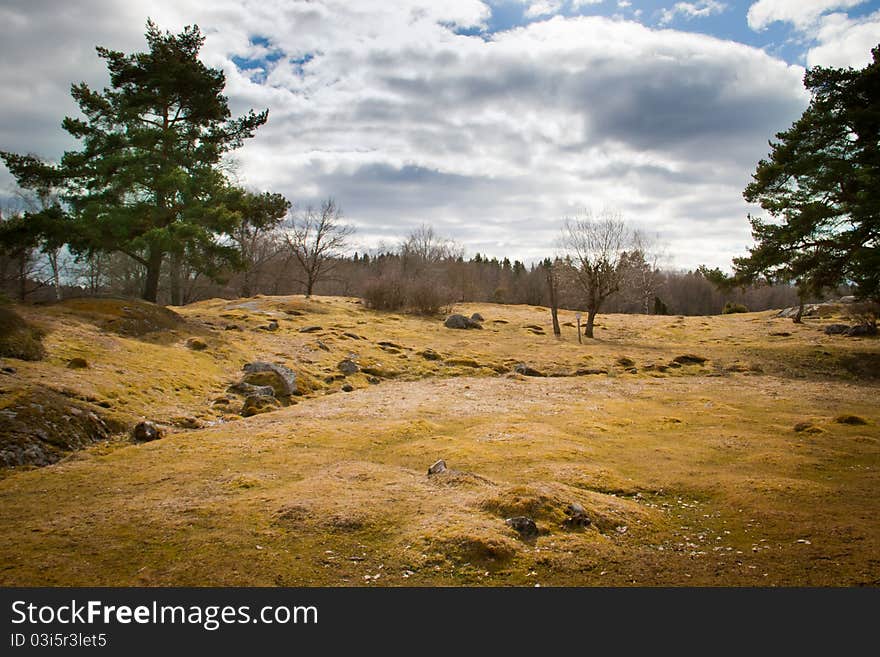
(477, 317)
(145, 432)
(523, 525)
(457, 321)
(256, 404)
(437, 467)
(347, 387)
(525, 370)
(837, 329)
(689, 359)
(348, 367)
(430, 354)
(246, 389)
(284, 383)
(861, 330)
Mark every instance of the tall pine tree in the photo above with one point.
(147, 180)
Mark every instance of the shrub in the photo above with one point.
(384, 293)
(426, 298)
(730, 308)
(420, 296)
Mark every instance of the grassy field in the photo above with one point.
(758, 466)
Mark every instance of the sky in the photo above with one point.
(491, 121)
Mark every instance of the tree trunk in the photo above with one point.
(154, 268)
(798, 319)
(22, 276)
(591, 318)
(554, 305)
(310, 284)
(176, 275)
(56, 274)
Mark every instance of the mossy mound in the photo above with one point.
(39, 426)
(128, 317)
(19, 339)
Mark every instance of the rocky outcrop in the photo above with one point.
(461, 322)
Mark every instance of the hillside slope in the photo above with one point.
(756, 466)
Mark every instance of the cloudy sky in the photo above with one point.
(491, 121)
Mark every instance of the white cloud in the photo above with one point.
(541, 8)
(698, 9)
(492, 140)
(800, 13)
(580, 4)
(838, 40)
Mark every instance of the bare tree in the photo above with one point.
(551, 271)
(424, 246)
(316, 239)
(597, 246)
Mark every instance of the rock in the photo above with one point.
(689, 359)
(853, 420)
(353, 336)
(525, 370)
(632, 370)
(437, 467)
(625, 361)
(322, 346)
(7, 369)
(271, 326)
(837, 329)
(430, 354)
(477, 317)
(348, 367)
(523, 525)
(577, 516)
(862, 330)
(373, 380)
(347, 387)
(457, 321)
(310, 329)
(232, 327)
(77, 363)
(286, 378)
(196, 344)
(256, 404)
(586, 371)
(780, 334)
(389, 344)
(145, 432)
(246, 389)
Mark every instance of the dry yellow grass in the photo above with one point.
(691, 475)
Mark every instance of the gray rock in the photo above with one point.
(145, 432)
(437, 467)
(523, 525)
(525, 370)
(577, 516)
(271, 326)
(347, 387)
(837, 329)
(689, 359)
(286, 374)
(256, 404)
(862, 329)
(310, 329)
(430, 354)
(348, 367)
(247, 389)
(477, 317)
(457, 321)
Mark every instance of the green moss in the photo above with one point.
(18, 338)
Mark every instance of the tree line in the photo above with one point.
(147, 207)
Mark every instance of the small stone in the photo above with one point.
(437, 467)
(347, 387)
(145, 432)
(525, 370)
(457, 321)
(77, 363)
(348, 367)
(430, 354)
(196, 344)
(625, 361)
(523, 525)
(310, 329)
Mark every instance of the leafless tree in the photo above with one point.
(316, 239)
(597, 246)
(424, 246)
